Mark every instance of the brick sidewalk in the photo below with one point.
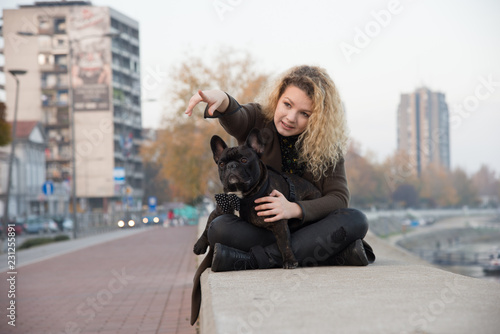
(137, 284)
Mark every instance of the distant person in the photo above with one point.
(304, 116)
(170, 217)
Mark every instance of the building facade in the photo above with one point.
(423, 128)
(28, 174)
(83, 72)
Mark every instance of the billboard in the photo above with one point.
(91, 58)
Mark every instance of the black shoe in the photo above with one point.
(229, 259)
(353, 255)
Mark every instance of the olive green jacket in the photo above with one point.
(239, 120)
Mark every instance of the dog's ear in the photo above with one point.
(256, 142)
(218, 145)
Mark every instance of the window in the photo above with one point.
(49, 80)
(44, 25)
(44, 59)
(61, 61)
(59, 43)
(62, 97)
(60, 26)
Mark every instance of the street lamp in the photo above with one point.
(71, 106)
(14, 73)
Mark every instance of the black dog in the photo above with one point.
(245, 178)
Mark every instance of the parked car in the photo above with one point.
(67, 224)
(18, 227)
(51, 225)
(35, 226)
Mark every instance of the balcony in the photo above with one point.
(55, 103)
(119, 155)
(57, 158)
(53, 68)
(138, 175)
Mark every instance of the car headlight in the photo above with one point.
(145, 220)
(131, 223)
(156, 219)
(121, 223)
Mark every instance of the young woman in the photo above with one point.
(304, 119)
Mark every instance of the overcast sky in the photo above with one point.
(374, 50)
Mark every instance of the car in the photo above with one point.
(18, 227)
(152, 220)
(35, 226)
(127, 221)
(51, 226)
(67, 224)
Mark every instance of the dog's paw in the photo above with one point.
(290, 264)
(200, 247)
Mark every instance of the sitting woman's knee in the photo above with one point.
(360, 220)
(217, 231)
(356, 221)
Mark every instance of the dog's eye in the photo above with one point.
(244, 160)
(221, 164)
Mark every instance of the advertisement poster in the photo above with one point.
(91, 58)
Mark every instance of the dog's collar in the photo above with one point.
(260, 193)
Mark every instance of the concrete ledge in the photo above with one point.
(398, 294)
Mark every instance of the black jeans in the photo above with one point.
(313, 244)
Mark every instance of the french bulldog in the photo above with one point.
(245, 178)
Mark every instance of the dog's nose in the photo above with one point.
(232, 165)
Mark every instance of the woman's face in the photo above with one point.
(292, 112)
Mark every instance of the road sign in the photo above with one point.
(48, 188)
(119, 175)
(152, 203)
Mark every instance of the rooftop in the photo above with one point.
(57, 4)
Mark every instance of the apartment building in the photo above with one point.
(423, 128)
(83, 78)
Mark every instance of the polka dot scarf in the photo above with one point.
(228, 202)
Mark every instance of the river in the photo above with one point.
(474, 271)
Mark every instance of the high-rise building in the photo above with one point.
(423, 128)
(82, 65)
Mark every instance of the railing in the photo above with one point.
(447, 258)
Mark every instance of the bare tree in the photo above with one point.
(182, 147)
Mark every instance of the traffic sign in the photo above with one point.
(152, 203)
(119, 175)
(48, 188)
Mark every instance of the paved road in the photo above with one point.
(140, 283)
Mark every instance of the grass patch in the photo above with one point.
(42, 241)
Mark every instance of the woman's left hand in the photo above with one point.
(277, 206)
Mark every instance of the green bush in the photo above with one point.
(61, 237)
(42, 241)
(35, 242)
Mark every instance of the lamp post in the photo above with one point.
(72, 111)
(73, 139)
(14, 73)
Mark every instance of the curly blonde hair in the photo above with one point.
(324, 141)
